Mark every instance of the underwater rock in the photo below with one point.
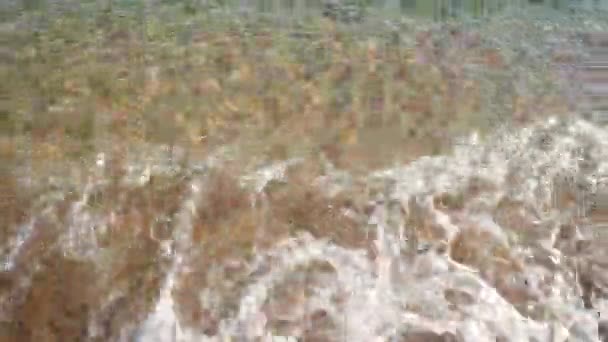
(421, 335)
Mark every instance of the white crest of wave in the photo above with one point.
(383, 296)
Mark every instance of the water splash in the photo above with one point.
(395, 292)
(470, 244)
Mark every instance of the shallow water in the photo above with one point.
(500, 240)
(472, 244)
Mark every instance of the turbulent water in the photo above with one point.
(499, 241)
